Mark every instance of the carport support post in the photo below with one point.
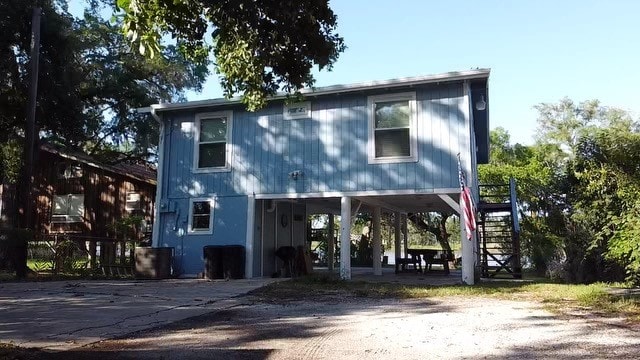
(331, 246)
(468, 254)
(405, 234)
(251, 223)
(345, 238)
(397, 235)
(377, 242)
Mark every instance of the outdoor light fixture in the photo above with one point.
(481, 104)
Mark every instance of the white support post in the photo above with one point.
(397, 235)
(467, 149)
(251, 225)
(405, 234)
(377, 241)
(345, 238)
(468, 253)
(331, 246)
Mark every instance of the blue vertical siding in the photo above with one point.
(229, 228)
(330, 148)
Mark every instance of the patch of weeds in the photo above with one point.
(560, 298)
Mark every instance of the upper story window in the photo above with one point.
(201, 216)
(69, 170)
(212, 148)
(392, 128)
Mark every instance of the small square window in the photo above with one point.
(201, 216)
(299, 110)
(133, 202)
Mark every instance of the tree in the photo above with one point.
(259, 46)
(90, 82)
(117, 80)
(600, 153)
(607, 178)
(435, 224)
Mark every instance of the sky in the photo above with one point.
(538, 51)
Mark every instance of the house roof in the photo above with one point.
(134, 171)
(336, 89)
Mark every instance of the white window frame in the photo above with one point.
(66, 218)
(129, 208)
(413, 128)
(228, 146)
(212, 206)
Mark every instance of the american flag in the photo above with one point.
(466, 204)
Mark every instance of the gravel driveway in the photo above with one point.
(362, 328)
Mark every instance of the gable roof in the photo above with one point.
(134, 171)
(335, 89)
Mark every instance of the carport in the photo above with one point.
(280, 221)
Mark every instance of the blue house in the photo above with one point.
(227, 176)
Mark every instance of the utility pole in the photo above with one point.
(30, 133)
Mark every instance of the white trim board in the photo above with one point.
(337, 194)
(452, 203)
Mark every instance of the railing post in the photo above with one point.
(516, 264)
(92, 253)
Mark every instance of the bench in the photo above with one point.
(430, 257)
(441, 259)
(402, 263)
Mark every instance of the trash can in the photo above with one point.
(233, 262)
(213, 255)
(153, 263)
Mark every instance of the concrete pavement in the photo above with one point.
(60, 315)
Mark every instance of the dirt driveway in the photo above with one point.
(361, 328)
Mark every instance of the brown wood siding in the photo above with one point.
(104, 197)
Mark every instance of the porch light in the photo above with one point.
(481, 104)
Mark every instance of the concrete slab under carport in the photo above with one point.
(61, 315)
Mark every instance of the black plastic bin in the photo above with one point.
(153, 263)
(233, 261)
(213, 261)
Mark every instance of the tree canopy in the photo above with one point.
(259, 46)
(90, 81)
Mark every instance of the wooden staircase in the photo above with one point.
(499, 231)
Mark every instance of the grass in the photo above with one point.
(596, 299)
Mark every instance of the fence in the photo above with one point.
(77, 254)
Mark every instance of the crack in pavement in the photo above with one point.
(123, 320)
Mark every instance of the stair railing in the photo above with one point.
(517, 266)
(514, 205)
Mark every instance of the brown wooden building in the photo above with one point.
(79, 196)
